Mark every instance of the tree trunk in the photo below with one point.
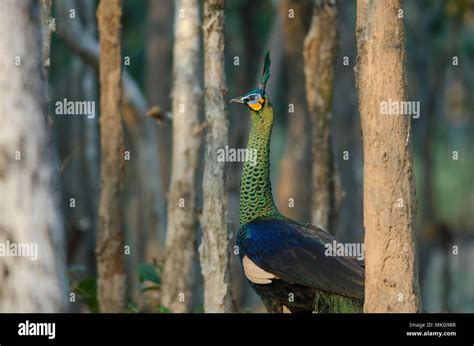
(29, 208)
(158, 65)
(110, 243)
(294, 197)
(389, 190)
(158, 77)
(319, 53)
(182, 217)
(214, 250)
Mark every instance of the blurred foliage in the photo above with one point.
(149, 275)
(87, 290)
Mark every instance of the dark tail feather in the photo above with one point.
(266, 71)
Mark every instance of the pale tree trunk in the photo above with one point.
(29, 208)
(214, 250)
(293, 195)
(110, 243)
(182, 216)
(391, 277)
(146, 236)
(147, 200)
(319, 53)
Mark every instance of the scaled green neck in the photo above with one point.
(256, 198)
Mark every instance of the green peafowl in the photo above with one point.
(284, 260)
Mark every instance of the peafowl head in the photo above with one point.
(255, 99)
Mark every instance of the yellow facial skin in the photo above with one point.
(257, 106)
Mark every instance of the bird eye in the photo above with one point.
(252, 97)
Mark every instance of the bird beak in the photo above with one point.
(237, 99)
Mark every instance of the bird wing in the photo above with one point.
(295, 252)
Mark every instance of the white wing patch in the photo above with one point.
(256, 274)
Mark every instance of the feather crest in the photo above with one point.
(266, 71)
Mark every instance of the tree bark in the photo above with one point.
(29, 208)
(319, 53)
(294, 199)
(158, 65)
(389, 190)
(48, 26)
(182, 217)
(110, 243)
(214, 249)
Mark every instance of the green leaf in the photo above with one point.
(131, 307)
(163, 310)
(148, 272)
(199, 310)
(150, 288)
(87, 289)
